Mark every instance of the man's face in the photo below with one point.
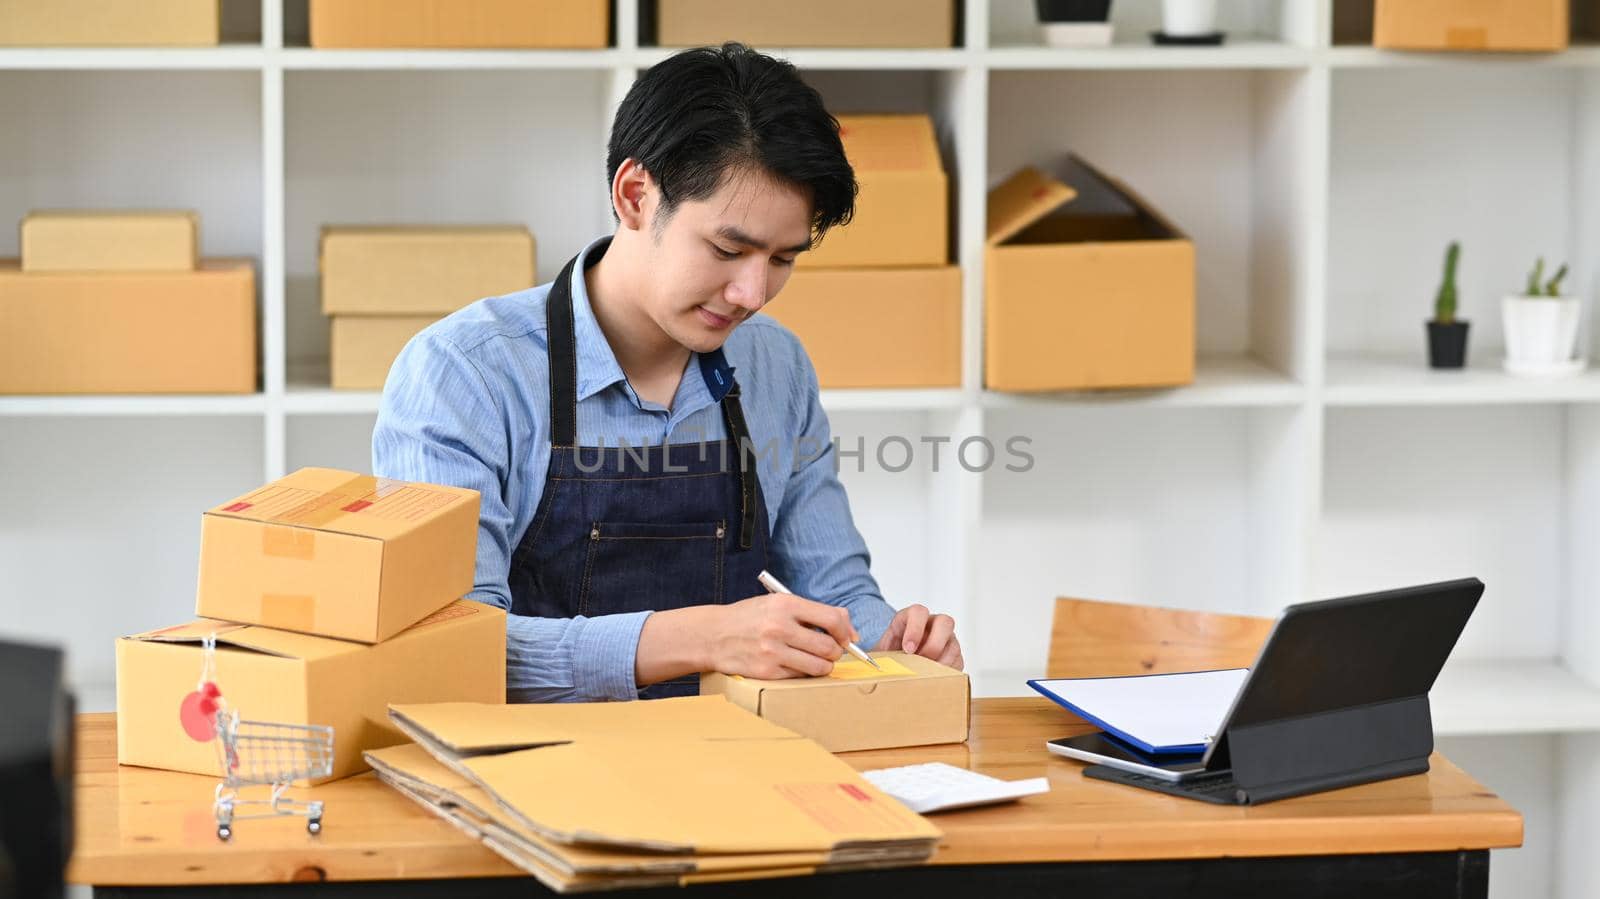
(719, 260)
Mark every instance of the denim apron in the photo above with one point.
(625, 528)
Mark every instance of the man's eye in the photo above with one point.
(724, 254)
(783, 262)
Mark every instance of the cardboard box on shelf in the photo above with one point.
(361, 348)
(123, 240)
(456, 654)
(1099, 294)
(867, 327)
(819, 23)
(1528, 25)
(337, 554)
(913, 702)
(129, 332)
(903, 209)
(152, 23)
(399, 270)
(578, 24)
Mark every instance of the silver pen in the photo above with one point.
(776, 586)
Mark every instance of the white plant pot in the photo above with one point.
(1188, 18)
(1541, 332)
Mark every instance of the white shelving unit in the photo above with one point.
(1315, 454)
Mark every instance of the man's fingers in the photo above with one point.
(814, 643)
(941, 631)
(833, 619)
(951, 657)
(805, 664)
(915, 625)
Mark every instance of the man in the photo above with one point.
(632, 488)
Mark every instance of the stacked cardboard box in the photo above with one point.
(381, 285)
(1520, 25)
(150, 23)
(876, 303)
(120, 302)
(328, 595)
(521, 24)
(1086, 287)
(675, 791)
(816, 23)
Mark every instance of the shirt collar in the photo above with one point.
(597, 364)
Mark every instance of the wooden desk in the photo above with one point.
(1414, 837)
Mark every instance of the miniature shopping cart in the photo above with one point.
(260, 753)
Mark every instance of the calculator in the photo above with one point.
(936, 787)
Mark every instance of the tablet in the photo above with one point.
(1100, 749)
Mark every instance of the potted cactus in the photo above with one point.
(1541, 326)
(1447, 335)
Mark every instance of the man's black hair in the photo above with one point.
(699, 115)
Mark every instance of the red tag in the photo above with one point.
(198, 713)
(856, 791)
(237, 507)
(358, 505)
(1040, 192)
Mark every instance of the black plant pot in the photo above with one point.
(1073, 10)
(1447, 344)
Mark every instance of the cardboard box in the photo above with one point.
(84, 241)
(867, 327)
(902, 211)
(129, 332)
(456, 654)
(62, 23)
(927, 703)
(1100, 294)
(363, 347)
(767, 24)
(1471, 24)
(421, 271)
(581, 24)
(337, 554)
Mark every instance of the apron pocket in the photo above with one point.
(635, 566)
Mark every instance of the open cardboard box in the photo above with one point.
(1086, 286)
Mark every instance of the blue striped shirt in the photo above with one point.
(467, 403)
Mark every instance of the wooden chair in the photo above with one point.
(1108, 639)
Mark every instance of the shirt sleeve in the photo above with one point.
(817, 551)
(439, 422)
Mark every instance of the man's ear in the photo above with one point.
(633, 195)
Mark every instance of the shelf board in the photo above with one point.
(1219, 381)
(1242, 52)
(306, 58)
(1471, 698)
(1389, 380)
(309, 394)
(1365, 57)
(134, 404)
(237, 56)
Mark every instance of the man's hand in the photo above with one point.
(771, 637)
(918, 631)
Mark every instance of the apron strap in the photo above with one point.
(563, 343)
(739, 433)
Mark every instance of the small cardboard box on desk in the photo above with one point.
(457, 654)
(338, 554)
(913, 701)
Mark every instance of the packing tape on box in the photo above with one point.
(287, 542)
(288, 611)
(1466, 38)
